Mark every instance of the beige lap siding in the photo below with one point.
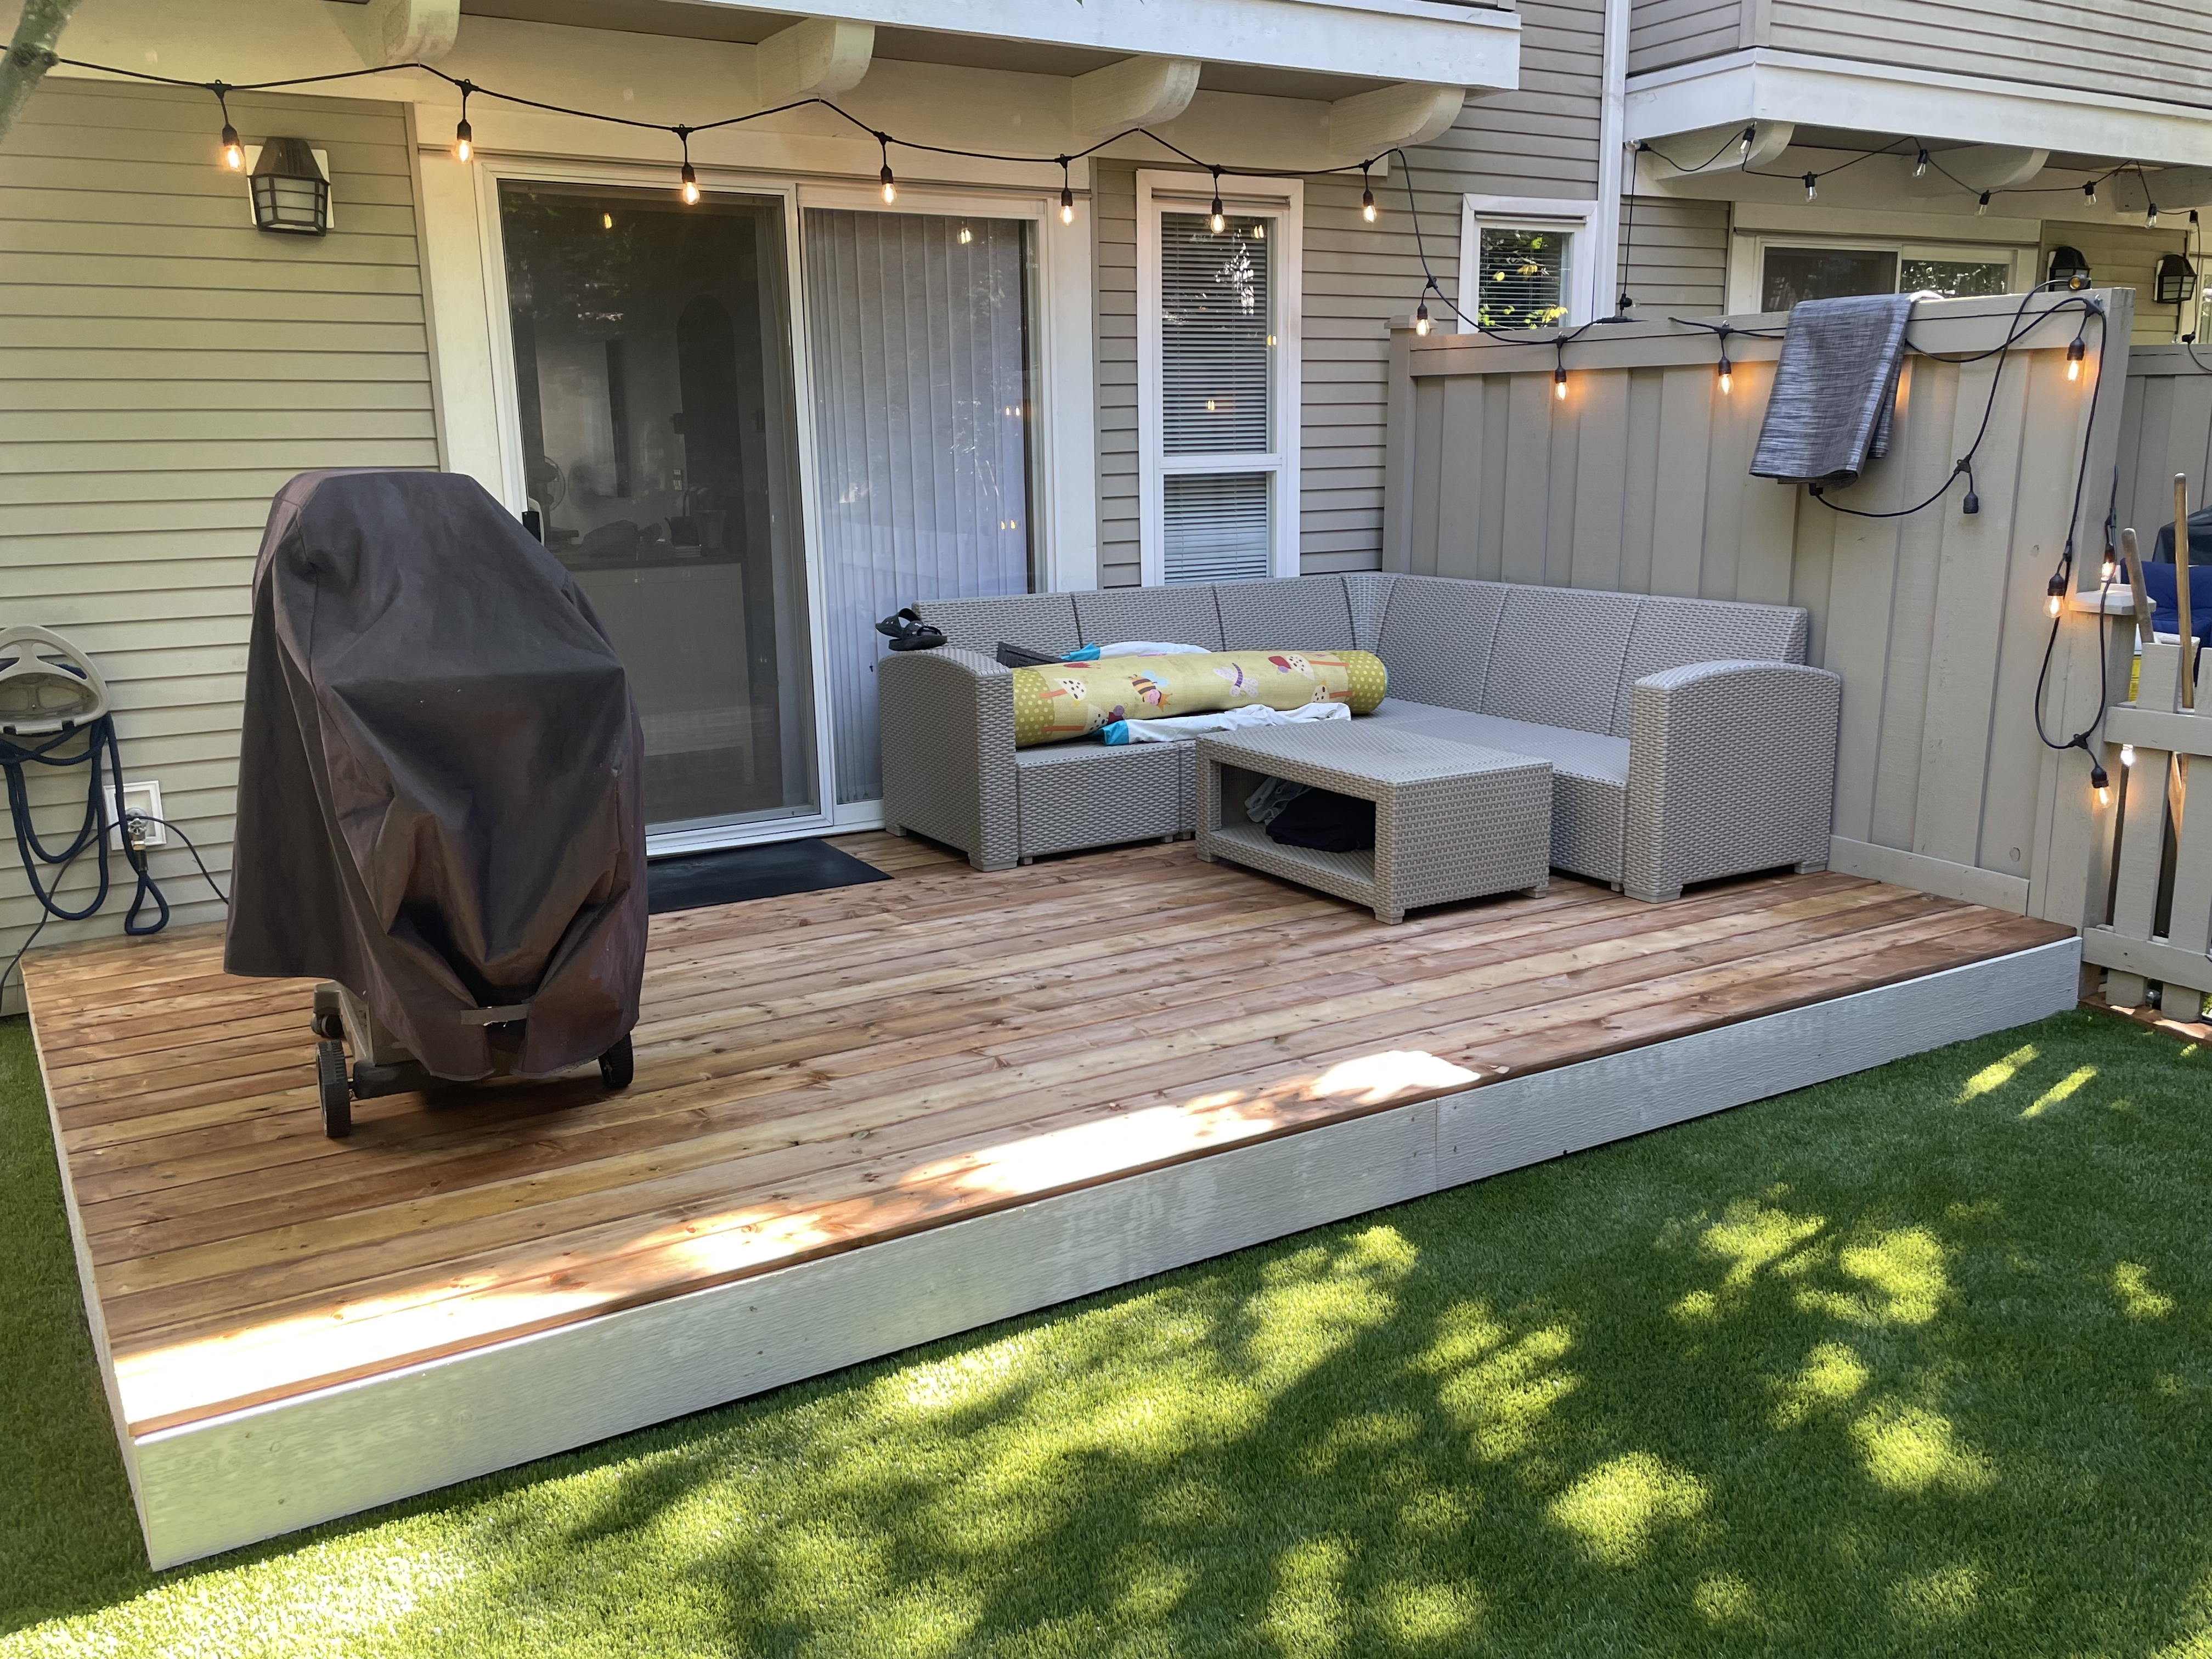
(164, 368)
(1539, 141)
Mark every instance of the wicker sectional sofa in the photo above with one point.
(1688, 738)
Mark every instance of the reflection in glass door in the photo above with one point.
(652, 375)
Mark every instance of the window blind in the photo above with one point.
(1216, 526)
(1217, 306)
(1522, 277)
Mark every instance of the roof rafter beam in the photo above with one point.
(1137, 92)
(1411, 113)
(815, 58)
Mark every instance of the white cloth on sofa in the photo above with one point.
(1179, 726)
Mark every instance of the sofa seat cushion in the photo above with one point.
(1589, 777)
(1085, 794)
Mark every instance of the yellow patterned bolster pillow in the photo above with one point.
(1074, 699)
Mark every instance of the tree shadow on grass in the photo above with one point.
(1916, 1362)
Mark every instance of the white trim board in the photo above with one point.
(1763, 84)
(232, 1480)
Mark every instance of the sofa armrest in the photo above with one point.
(946, 720)
(1731, 768)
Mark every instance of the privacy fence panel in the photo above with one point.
(1637, 478)
(2166, 428)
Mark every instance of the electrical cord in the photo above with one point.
(148, 817)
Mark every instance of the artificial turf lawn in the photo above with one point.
(1917, 1362)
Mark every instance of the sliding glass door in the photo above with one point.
(919, 331)
(652, 376)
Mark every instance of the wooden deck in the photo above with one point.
(819, 1074)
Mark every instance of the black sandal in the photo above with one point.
(907, 631)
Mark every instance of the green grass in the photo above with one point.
(1919, 1361)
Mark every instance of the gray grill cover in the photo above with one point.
(439, 798)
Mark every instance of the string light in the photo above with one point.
(1066, 195)
(1367, 196)
(890, 184)
(966, 235)
(1812, 186)
(2102, 783)
(2109, 572)
(2056, 600)
(1217, 217)
(464, 138)
(1920, 167)
(1982, 207)
(691, 179)
(2089, 192)
(2074, 353)
(2150, 218)
(234, 153)
(1421, 319)
(1727, 372)
(1743, 144)
(1559, 382)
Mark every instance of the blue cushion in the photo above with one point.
(2159, 581)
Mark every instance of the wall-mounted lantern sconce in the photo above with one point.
(290, 193)
(2068, 265)
(2176, 280)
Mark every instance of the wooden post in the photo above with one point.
(2143, 629)
(2185, 685)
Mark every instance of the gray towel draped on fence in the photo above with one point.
(1834, 389)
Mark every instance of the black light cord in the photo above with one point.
(148, 817)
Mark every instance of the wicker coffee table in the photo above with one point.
(1451, 821)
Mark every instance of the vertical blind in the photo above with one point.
(918, 333)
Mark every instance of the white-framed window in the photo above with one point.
(1523, 263)
(1217, 326)
(1773, 271)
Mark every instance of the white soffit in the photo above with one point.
(1765, 85)
(1472, 47)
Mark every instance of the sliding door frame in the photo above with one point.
(1066, 515)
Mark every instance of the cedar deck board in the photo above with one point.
(824, 1071)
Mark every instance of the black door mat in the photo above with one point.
(768, 870)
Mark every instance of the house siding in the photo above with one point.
(2137, 48)
(1675, 255)
(1665, 31)
(1358, 278)
(164, 368)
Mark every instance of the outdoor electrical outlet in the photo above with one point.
(144, 798)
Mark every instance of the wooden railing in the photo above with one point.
(2159, 910)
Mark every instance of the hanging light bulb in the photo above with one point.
(607, 221)
(1812, 186)
(2109, 572)
(2055, 599)
(1066, 205)
(1217, 219)
(2075, 352)
(966, 235)
(465, 139)
(2150, 218)
(1559, 382)
(1742, 144)
(1920, 167)
(2089, 192)
(1367, 196)
(234, 153)
(1727, 373)
(1982, 207)
(2102, 783)
(1421, 319)
(691, 179)
(890, 184)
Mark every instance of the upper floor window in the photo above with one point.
(1217, 384)
(1521, 264)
